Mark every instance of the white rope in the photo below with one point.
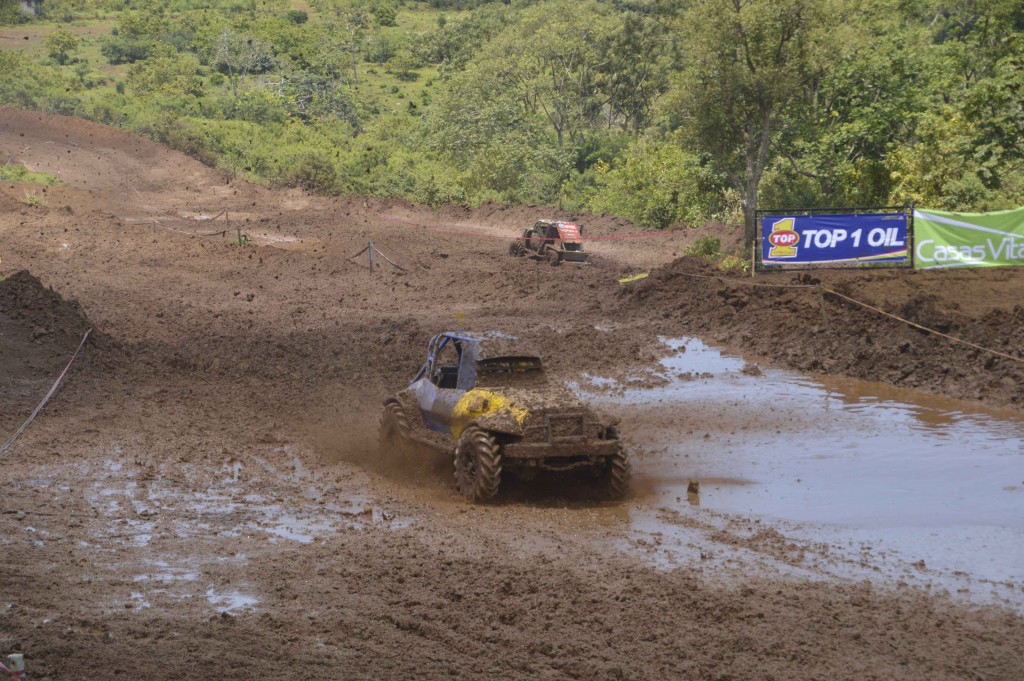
(10, 441)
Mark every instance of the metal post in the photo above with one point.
(911, 238)
(371, 257)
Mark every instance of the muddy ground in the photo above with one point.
(203, 496)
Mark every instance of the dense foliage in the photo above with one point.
(662, 111)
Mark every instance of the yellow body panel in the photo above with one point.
(479, 403)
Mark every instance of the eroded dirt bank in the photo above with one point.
(203, 497)
(796, 321)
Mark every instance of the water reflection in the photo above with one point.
(927, 478)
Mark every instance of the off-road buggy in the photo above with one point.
(484, 398)
(552, 241)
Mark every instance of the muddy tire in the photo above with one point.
(477, 464)
(617, 475)
(552, 256)
(517, 248)
(393, 438)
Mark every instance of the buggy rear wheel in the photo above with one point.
(477, 464)
(553, 257)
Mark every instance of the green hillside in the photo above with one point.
(662, 111)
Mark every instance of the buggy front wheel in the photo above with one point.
(477, 464)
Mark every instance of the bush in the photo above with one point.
(707, 246)
(386, 14)
(120, 50)
(732, 263)
(297, 16)
(656, 185)
(259, 106)
(61, 45)
(313, 171)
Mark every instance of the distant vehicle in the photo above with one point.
(554, 241)
(485, 398)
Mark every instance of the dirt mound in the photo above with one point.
(38, 332)
(40, 317)
(798, 320)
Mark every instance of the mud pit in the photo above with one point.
(203, 496)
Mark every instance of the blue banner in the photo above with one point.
(834, 239)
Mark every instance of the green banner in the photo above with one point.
(968, 239)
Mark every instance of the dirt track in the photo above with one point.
(203, 497)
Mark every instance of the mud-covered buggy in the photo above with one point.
(553, 241)
(485, 399)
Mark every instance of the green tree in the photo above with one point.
(748, 61)
(634, 64)
(61, 45)
(481, 127)
(237, 55)
(349, 33)
(314, 97)
(386, 14)
(964, 152)
(658, 184)
(404, 66)
(167, 75)
(11, 12)
(869, 82)
(63, 10)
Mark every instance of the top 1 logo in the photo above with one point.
(784, 239)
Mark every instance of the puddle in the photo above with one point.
(838, 463)
(283, 525)
(168, 575)
(225, 510)
(231, 601)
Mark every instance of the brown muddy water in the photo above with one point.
(826, 478)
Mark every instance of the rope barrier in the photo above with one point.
(743, 282)
(53, 389)
(156, 223)
(19, 674)
(481, 235)
(11, 673)
(877, 310)
(364, 250)
(377, 251)
(923, 328)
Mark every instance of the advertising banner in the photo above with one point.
(968, 239)
(834, 239)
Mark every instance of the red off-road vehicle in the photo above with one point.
(554, 241)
